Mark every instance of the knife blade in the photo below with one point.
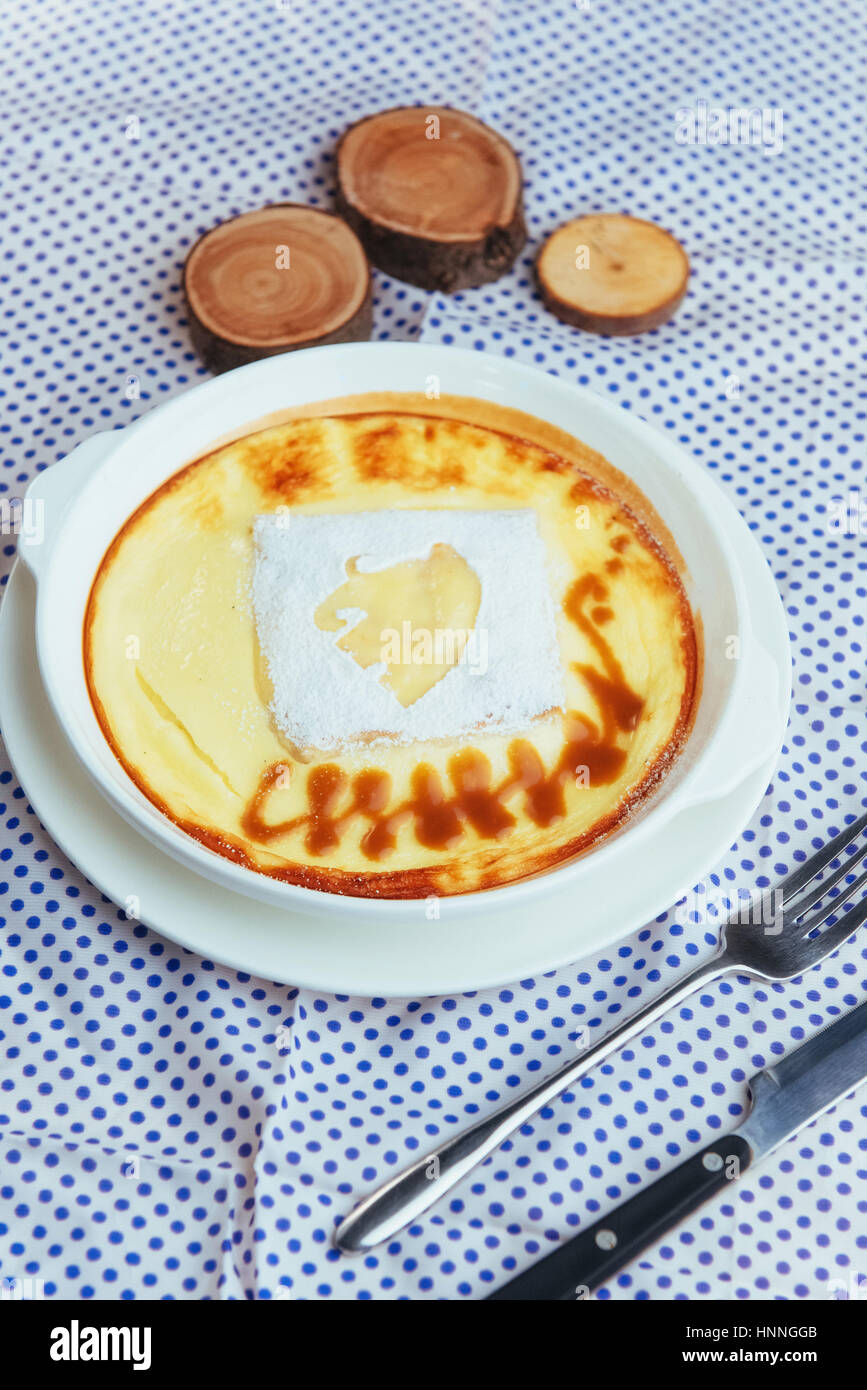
(782, 1099)
(795, 1090)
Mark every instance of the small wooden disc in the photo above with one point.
(287, 276)
(612, 274)
(435, 196)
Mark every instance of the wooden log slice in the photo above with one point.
(434, 194)
(609, 273)
(284, 277)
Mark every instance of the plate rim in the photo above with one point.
(397, 979)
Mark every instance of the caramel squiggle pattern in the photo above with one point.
(440, 817)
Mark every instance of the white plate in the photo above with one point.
(741, 710)
(377, 956)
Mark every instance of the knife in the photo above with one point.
(783, 1098)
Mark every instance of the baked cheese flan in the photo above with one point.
(394, 647)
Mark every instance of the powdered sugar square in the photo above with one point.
(500, 672)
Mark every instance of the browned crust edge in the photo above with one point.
(446, 266)
(221, 354)
(501, 419)
(423, 882)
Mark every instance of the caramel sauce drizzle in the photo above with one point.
(440, 816)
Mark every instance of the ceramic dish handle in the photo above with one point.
(759, 718)
(50, 494)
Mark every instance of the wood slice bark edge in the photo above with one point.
(433, 262)
(635, 285)
(222, 346)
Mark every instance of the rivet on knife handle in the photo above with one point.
(578, 1266)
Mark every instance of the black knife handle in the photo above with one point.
(588, 1259)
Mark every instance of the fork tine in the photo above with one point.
(799, 878)
(824, 912)
(796, 907)
(822, 946)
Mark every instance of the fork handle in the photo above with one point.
(406, 1196)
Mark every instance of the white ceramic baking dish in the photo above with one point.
(86, 498)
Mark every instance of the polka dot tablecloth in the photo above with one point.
(173, 1129)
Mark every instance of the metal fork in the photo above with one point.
(782, 950)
